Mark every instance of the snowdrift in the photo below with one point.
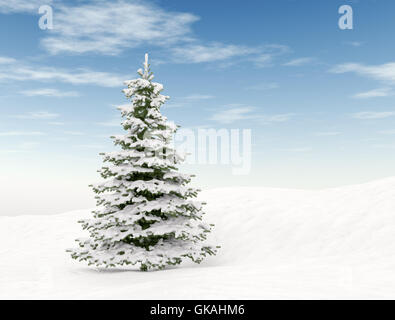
(276, 243)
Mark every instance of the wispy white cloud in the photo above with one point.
(21, 133)
(12, 6)
(110, 27)
(261, 56)
(267, 54)
(266, 119)
(373, 115)
(187, 100)
(383, 72)
(19, 71)
(46, 92)
(231, 115)
(38, 115)
(116, 106)
(7, 60)
(235, 113)
(197, 53)
(354, 43)
(195, 97)
(380, 92)
(299, 62)
(115, 122)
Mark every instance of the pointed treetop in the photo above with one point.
(146, 67)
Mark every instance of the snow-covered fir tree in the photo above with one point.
(145, 213)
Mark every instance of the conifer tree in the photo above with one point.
(145, 213)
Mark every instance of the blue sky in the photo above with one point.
(319, 100)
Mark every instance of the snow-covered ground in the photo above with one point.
(276, 244)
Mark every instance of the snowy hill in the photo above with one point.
(276, 243)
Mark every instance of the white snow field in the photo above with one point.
(276, 244)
